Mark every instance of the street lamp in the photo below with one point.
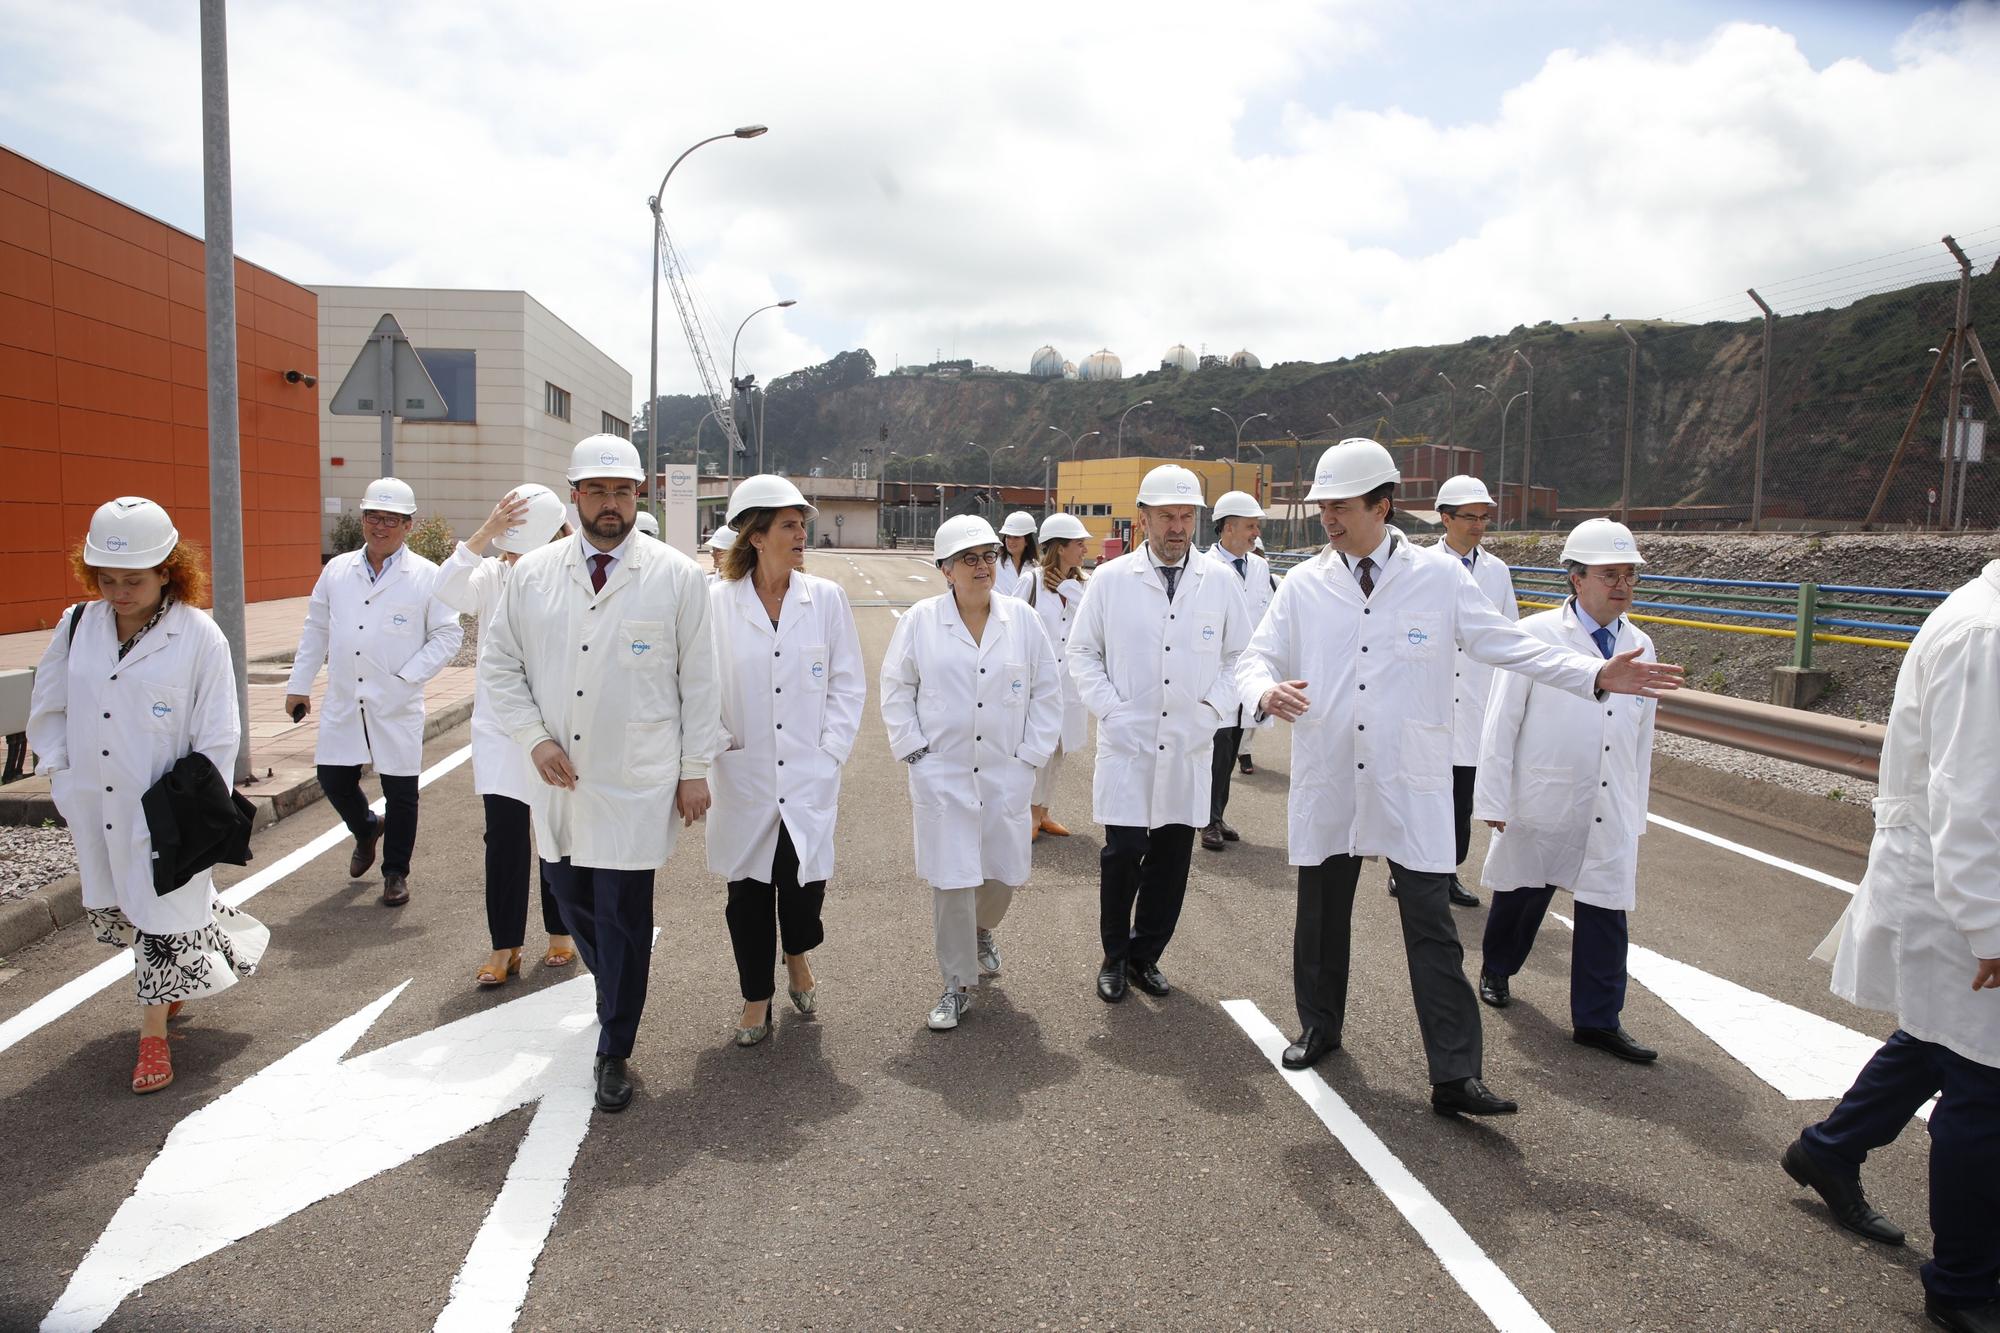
(1338, 424)
(775, 305)
(1450, 409)
(1121, 423)
(1074, 441)
(1527, 440)
(1239, 425)
(659, 231)
(991, 454)
(1503, 456)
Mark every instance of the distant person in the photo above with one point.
(1056, 595)
(1019, 560)
(1563, 782)
(130, 683)
(376, 624)
(646, 524)
(1922, 941)
(1246, 763)
(1238, 520)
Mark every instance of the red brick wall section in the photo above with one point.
(103, 391)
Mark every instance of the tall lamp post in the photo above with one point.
(1631, 402)
(1508, 406)
(1450, 409)
(1527, 440)
(1121, 423)
(991, 454)
(1238, 427)
(733, 342)
(1074, 441)
(653, 382)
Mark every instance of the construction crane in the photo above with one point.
(675, 273)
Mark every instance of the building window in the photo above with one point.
(613, 426)
(555, 401)
(455, 371)
(1100, 511)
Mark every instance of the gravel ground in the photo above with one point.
(31, 856)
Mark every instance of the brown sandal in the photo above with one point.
(488, 977)
(155, 1068)
(558, 957)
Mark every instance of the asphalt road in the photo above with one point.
(1054, 1163)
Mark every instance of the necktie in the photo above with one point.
(1605, 640)
(598, 563)
(1170, 574)
(1239, 568)
(1465, 560)
(1365, 571)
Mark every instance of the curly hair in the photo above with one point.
(187, 581)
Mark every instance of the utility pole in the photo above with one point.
(1955, 441)
(225, 456)
(1631, 401)
(1763, 416)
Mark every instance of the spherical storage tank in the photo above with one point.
(1245, 360)
(1179, 357)
(1046, 363)
(1102, 364)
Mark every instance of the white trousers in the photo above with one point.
(1045, 778)
(957, 917)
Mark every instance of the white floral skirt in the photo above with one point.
(191, 964)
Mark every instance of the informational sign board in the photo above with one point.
(1971, 441)
(677, 506)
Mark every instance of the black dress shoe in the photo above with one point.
(395, 889)
(1462, 896)
(1111, 981)
(1394, 892)
(614, 1089)
(364, 850)
(1211, 837)
(1147, 977)
(1468, 1096)
(1493, 990)
(1228, 834)
(1312, 1047)
(1617, 1041)
(1850, 1207)
(1964, 1318)
(1243, 762)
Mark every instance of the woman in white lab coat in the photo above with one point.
(1055, 593)
(130, 684)
(793, 685)
(973, 704)
(1020, 560)
(473, 583)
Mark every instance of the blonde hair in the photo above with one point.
(187, 581)
(1051, 563)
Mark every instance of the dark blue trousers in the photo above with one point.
(610, 915)
(1597, 955)
(1965, 1153)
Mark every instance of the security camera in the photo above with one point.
(300, 377)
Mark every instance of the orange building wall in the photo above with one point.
(103, 391)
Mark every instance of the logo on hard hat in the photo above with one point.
(818, 670)
(1417, 636)
(607, 457)
(1183, 487)
(114, 543)
(399, 620)
(161, 709)
(1619, 543)
(640, 647)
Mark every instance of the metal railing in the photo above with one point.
(1836, 744)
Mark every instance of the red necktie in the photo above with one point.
(597, 566)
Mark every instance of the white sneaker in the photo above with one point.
(989, 954)
(949, 1006)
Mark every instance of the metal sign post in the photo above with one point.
(389, 380)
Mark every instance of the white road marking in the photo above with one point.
(1804, 872)
(73, 993)
(916, 578)
(1482, 1279)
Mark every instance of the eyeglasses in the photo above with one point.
(974, 559)
(376, 519)
(599, 494)
(1625, 578)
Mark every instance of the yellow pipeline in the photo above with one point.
(1748, 629)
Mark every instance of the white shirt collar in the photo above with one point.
(1591, 626)
(1380, 555)
(1152, 557)
(616, 553)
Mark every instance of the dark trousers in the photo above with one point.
(1147, 868)
(1447, 1010)
(1965, 1153)
(1227, 741)
(510, 856)
(342, 785)
(610, 912)
(755, 928)
(1596, 960)
(1462, 778)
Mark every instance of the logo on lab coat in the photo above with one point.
(819, 670)
(1418, 636)
(1016, 686)
(161, 708)
(640, 647)
(1207, 633)
(399, 620)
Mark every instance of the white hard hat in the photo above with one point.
(390, 496)
(1020, 523)
(962, 533)
(766, 491)
(1063, 528)
(1257, 545)
(1170, 484)
(1463, 490)
(607, 456)
(1237, 504)
(647, 524)
(1602, 541)
(722, 538)
(1352, 467)
(545, 515)
(129, 533)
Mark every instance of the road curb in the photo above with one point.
(48, 909)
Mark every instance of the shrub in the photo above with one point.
(433, 539)
(346, 533)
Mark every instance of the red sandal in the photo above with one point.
(155, 1068)
(174, 1009)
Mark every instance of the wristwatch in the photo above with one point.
(916, 754)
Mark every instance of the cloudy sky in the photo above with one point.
(1310, 180)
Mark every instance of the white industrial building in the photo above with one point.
(520, 385)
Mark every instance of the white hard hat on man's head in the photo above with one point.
(1020, 523)
(964, 533)
(722, 539)
(646, 523)
(1353, 467)
(766, 491)
(545, 514)
(1063, 528)
(1463, 490)
(609, 457)
(129, 533)
(1601, 541)
(389, 495)
(1171, 484)
(1237, 504)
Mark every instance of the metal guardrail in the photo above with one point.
(1832, 743)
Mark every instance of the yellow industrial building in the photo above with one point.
(1103, 492)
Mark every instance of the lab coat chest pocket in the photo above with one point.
(162, 708)
(1417, 635)
(1014, 687)
(402, 623)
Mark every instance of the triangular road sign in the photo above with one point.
(415, 395)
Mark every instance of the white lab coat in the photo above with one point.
(1013, 582)
(1371, 757)
(380, 643)
(1160, 677)
(791, 705)
(1569, 776)
(623, 679)
(989, 713)
(1057, 609)
(1258, 590)
(471, 585)
(1472, 679)
(1929, 903)
(106, 731)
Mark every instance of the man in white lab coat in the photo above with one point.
(601, 667)
(1922, 941)
(1563, 783)
(1153, 651)
(376, 626)
(1367, 626)
(1238, 519)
